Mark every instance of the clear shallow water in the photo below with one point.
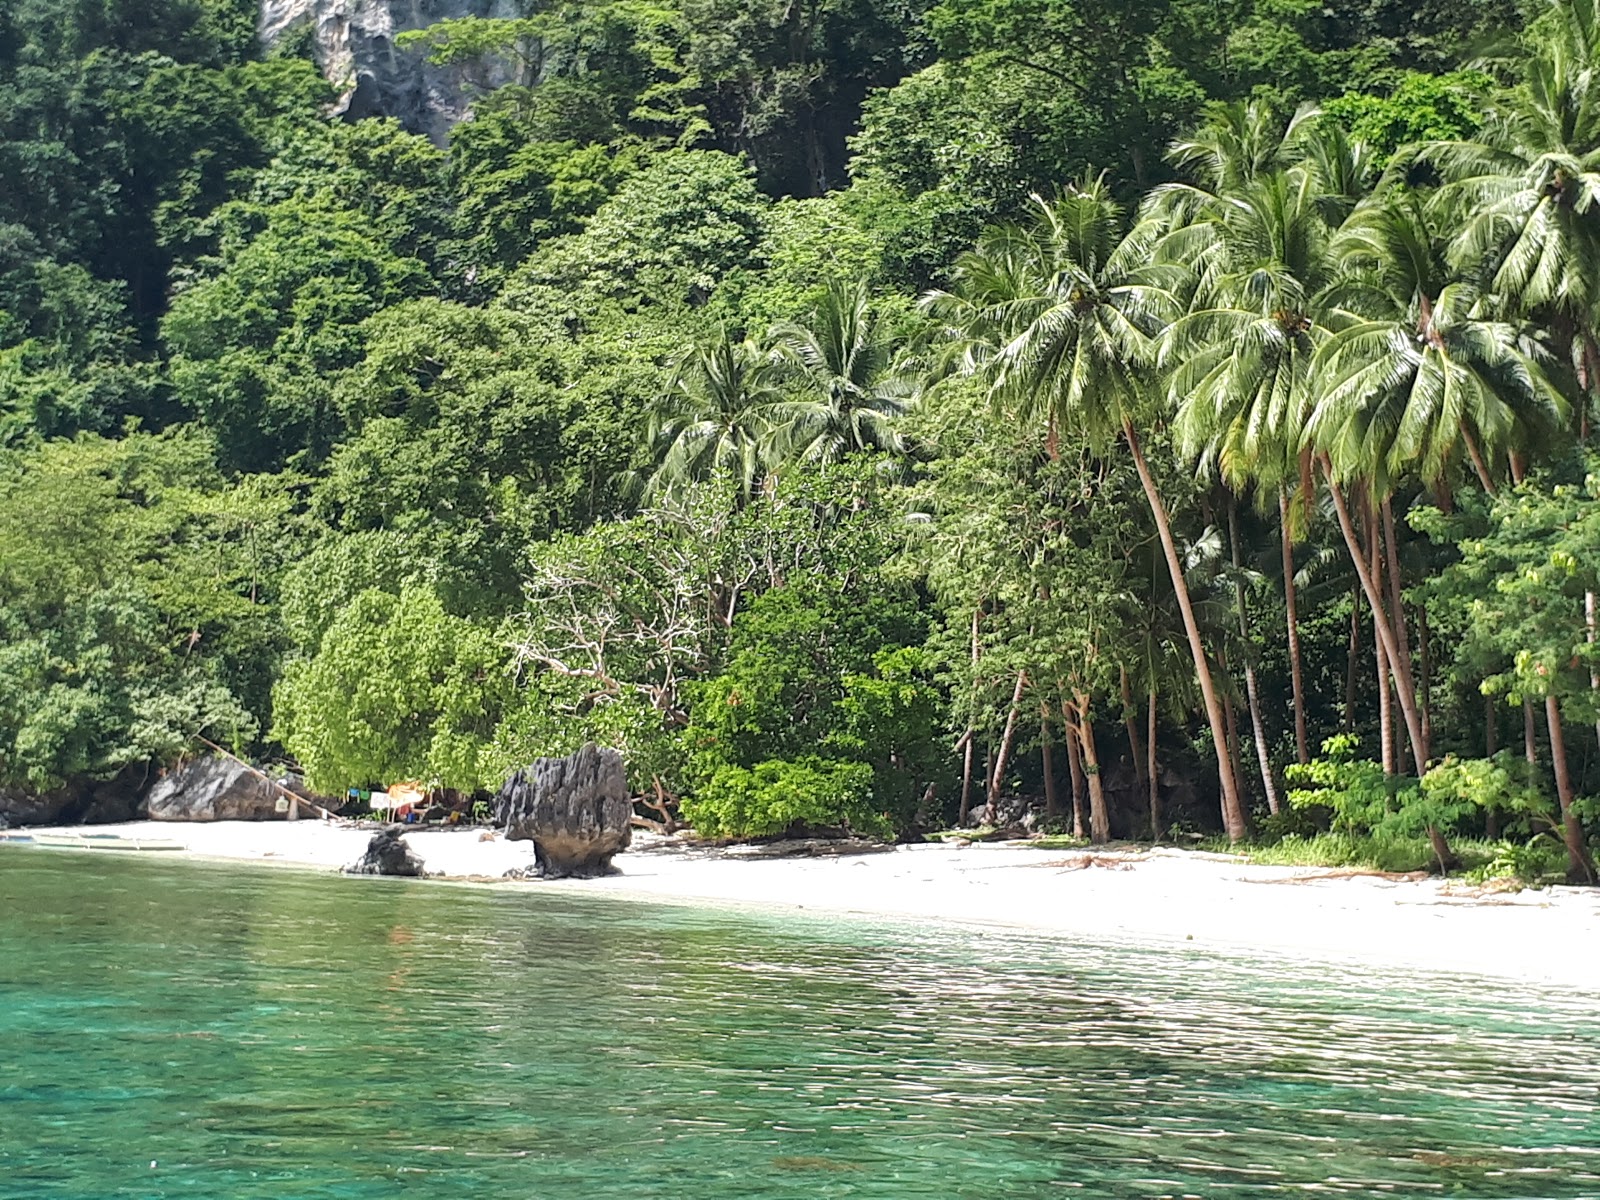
(260, 1033)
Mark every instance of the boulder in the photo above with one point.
(387, 854)
(214, 789)
(36, 808)
(80, 802)
(109, 801)
(575, 810)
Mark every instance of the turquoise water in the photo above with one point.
(171, 1029)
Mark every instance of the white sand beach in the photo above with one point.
(1162, 896)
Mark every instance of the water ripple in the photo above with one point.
(263, 1034)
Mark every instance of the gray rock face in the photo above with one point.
(213, 789)
(81, 802)
(575, 810)
(353, 41)
(388, 854)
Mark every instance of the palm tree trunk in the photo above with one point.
(1408, 698)
(1230, 715)
(1233, 819)
(1385, 705)
(991, 810)
(1579, 866)
(1131, 724)
(1397, 610)
(1150, 770)
(1352, 660)
(1479, 467)
(1252, 691)
(1073, 738)
(1403, 677)
(1047, 762)
(1292, 616)
(1099, 817)
(1386, 740)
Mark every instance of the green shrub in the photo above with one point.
(1529, 862)
(780, 794)
(1365, 802)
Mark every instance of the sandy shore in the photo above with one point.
(1162, 897)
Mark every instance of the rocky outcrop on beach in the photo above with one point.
(575, 810)
(79, 802)
(215, 789)
(388, 854)
(353, 41)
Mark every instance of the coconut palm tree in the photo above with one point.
(1254, 229)
(1059, 317)
(1524, 195)
(1422, 377)
(850, 390)
(723, 401)
(1418, 379)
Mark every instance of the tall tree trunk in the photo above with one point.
(1292, 616)
(970, 737)
(1352, 660)
(1233, 819)
(1047, 762)
(1579, 866)
(1425, 666)
(1230, 717)
(1530, 741)
(1386, 740)
(1074, 740)
(1491, 747)
(1150, 771)
(1397, 610)
(1385, 706)
(1394, 650)
(1252, 691)
(1400, 669)
(1130, 722)
(972, 725)
(1002, 760)
(1590, 621)
(1478, 465)
(1099, 817)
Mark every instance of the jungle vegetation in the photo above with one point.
(1178, 414)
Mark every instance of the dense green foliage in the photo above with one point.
(859, 414)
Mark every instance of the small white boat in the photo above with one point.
(93, 841)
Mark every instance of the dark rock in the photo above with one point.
(215, 789)
(80, 802)
(1009, 811)
(388, 854)
(575, 810)
(108, 801)
(37, 808)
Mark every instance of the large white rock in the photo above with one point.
(353, 41)
(214, 789)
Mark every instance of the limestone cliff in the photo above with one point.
(353, 41)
